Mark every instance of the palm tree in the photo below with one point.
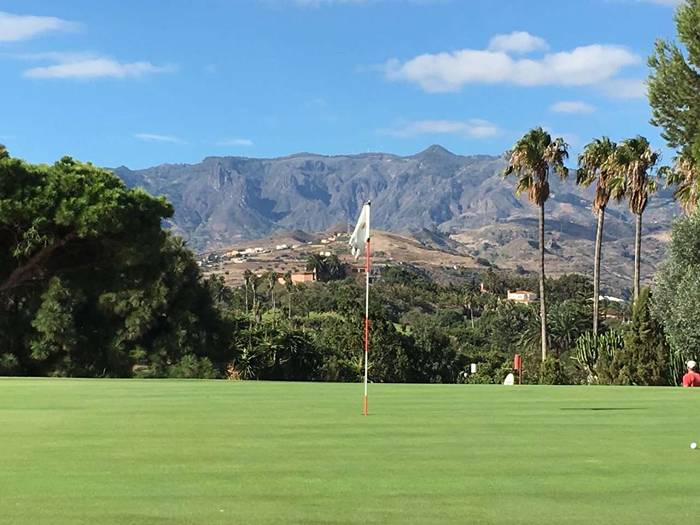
(685, 176)
(532, 159)
(271, 278)
(633, 163)
(247, 278)
(289, 285)
(596, 164)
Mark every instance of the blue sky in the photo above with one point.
(141, 83)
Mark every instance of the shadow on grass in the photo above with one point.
(604, 408)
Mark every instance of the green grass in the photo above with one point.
(167, 452)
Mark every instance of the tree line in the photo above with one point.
(91, 284)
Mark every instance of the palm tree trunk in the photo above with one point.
(596, 268)
(543, 307)
(637, 256)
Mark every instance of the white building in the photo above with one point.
(522, 296)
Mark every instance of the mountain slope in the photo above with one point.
(225, 200)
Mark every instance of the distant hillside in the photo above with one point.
(440, 198)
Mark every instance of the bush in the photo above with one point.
(551, 372)
(645, 357)
(9, 365)
(191, 367)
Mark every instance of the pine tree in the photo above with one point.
(645, 357)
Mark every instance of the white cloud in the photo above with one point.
(571, 106)
(517, 42)
(85, 65)
(449, 72)
(22, 27)
(629, 88)
(154, 137)
(235, 142)
(472, 128)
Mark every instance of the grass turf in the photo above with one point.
(171, 452)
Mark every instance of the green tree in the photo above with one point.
(676, 293)
(633, 164)
(50, 215)
(533, 158)
(328, 268)
(90, 282)
(645, 357)
(674, 95)
(595, 165)
(58, 339)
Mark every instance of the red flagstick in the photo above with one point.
(365, 409)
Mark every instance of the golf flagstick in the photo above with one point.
(367, 270)
(360, 239)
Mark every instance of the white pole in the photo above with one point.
(367, 270)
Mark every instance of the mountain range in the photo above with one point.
(464, 200)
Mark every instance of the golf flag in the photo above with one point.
(360, 236)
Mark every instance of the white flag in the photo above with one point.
(361, 234)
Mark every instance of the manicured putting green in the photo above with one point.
(126, 451)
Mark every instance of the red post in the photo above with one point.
(518, 367)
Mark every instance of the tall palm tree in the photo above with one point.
(533, 158)
(634, 163)
(289, 285)
(596, 164)
(247, 278)
(271, 278)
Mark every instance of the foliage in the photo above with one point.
(674, 83)
(551, 372)
(91, 284)
(674, 95)
(326, 268)
(633, 163)
(192, 367)
(607, 368)
(676, 293)
(532, 159)
(644, 359)
(596, 165)
(594, 354)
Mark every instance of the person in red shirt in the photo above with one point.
(692, 378)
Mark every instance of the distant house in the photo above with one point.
(610, 299)
(522, 297)
(281, 247)
(303, 277)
